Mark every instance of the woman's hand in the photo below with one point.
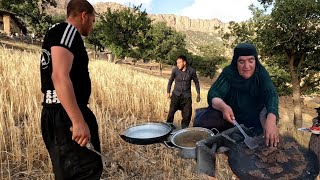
(219, 104)
(271, 131)
(228, 114)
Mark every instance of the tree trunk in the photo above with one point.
(115, 59)
(160, 67)
(95, 52)
(295, 80)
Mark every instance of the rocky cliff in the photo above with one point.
(61, 8)
(183, 23)
(198, 32)
(180, 23)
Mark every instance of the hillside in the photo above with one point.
(196, 39)
(198, 31)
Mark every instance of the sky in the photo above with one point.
(224, 10)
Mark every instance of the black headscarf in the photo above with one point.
(246, 97)
(232, 74)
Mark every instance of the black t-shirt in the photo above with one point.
(65, 35)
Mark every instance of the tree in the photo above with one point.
(266, 2)
(293, 29)
(239, 32)
(32, 12)
(289, 37)
(95, 37)
(144, 47)
(167, 44)
(124, 31)
(58, 18)
(212, 57)
(128, 32)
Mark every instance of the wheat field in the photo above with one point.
(120, 97)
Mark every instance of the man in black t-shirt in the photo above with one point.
(66, 86)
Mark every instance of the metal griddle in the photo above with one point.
(242, 163)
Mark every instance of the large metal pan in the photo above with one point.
(147, 133)
(185, 140)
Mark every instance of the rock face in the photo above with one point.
(62, 3)
(180, 23)
(183, 23)
(60, 9)
(102, 7)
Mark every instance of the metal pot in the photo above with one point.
(186, 139)
(147, 133)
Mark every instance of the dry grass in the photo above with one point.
(120, 98)
(12, 44)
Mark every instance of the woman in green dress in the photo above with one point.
(243, 92)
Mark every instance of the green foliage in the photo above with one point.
(266, 3)
(144, 49)
(206, 63)
(293, 30)
(172, 43)
(288, 39)
(58, 19)
(208, 67)
(212, 57)
(211, 51)
(123, 31)
(129, 32)
(175, 53)
(279, 76)
(292, 26)
(196, 39)
(245, 31)
(95, 37)
(32, 12)
(239, 32)
(167, 43)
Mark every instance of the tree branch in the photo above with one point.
(309, 83)
(283, 42)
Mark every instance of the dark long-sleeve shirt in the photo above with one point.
(183, 81)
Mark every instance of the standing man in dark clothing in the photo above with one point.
(66, 86)
(181, 98)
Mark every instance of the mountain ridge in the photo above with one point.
(180, 23)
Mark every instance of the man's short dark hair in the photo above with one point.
(76, 7)
(183, 58)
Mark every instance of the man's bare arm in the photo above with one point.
(62, 60)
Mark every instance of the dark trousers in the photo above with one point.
(70, 160)
(180, 103)
(211, 118)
